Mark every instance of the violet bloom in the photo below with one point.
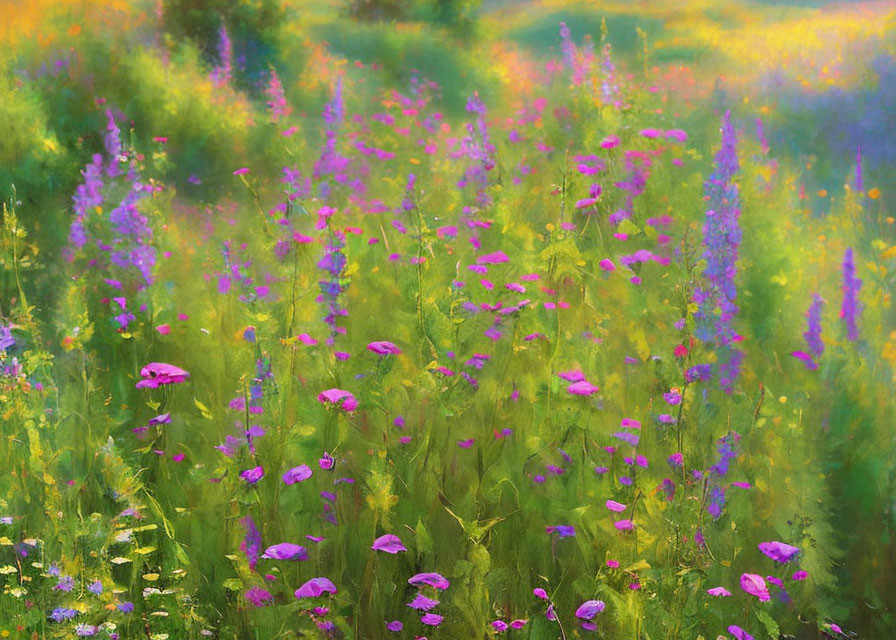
(435, 580)
(61, 614)
(587, 610)
(432, 619)
(850, 309)
(388, 543)
(562, 530)
(65, 583)
(297, 474)
(778, 551)
(755, 586)
(719, 592)
(383, 348)
(338, 397)
(315, 588)
(395, 626)
(618, 507)
(326, 462)
(422, 603)
(253, 475)
(259, 597)
(159, 373)
(285, 551)
(739, 633)
(582, 388)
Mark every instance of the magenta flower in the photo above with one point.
(384, 348)
(395, 626)
(720, 592)
(334, 396)
(388, 543)
(624, 525)
(778, 551)
(571, 376)
(326, 462)
(253, 475)
(422, 603)
(435, 580)
(519, 623)
(158, 373)
(432, 619)
(589, 609)
(315, 588)
(739, 633)
(297, 474)
(582, 388)
(755, 586)
(285, 551)
(618, 507)
(492, 258)
(259, 597)
(540, 593)
(799, 575)
(499, 625)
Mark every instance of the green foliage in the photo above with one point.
(493, 459)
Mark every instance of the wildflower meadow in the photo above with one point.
(455, 320)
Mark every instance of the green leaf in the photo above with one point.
(204, 411)
(774, 632)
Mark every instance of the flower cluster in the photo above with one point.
(716, 297)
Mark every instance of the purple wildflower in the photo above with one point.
(222, 73)
(715, 299)
(422, 603)
(851, 284)
(251, 543)
(315, 588)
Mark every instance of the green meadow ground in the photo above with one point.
(307, 318)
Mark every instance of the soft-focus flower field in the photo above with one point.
(447, 320)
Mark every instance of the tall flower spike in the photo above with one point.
(222, 73)
(716, 297)
(813, 331)
(850, 309)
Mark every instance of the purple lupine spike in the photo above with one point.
(112, 141)
(477, 146)
(333, 263)
(851, 308)
(859, 184)
(716, 297)
(251, 544)
(277, 104)
(578, 61)
(221, 74)
(813, 332)
(609, 86)
(726, 450)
